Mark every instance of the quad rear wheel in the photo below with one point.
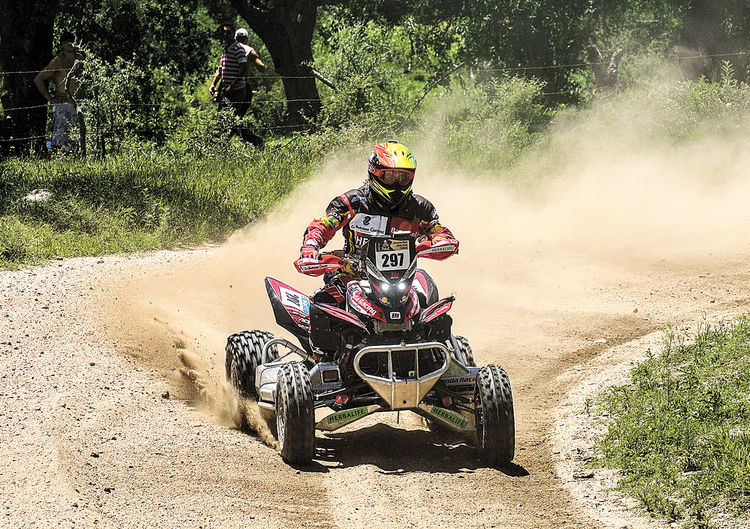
(295, 413)
(243, 355)
(496, 428)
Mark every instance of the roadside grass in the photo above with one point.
(680, 432)
(137, 202)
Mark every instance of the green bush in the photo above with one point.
(680, 432)
(142, 201)
(484, 125)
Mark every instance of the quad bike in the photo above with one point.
(387, 346)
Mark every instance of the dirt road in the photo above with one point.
(111, 377)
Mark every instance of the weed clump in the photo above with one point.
(680, 432)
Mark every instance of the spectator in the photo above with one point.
(229, 84)
(65, 111)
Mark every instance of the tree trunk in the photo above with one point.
(286, 28)
(25, 46)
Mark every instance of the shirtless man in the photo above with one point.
(64, 109)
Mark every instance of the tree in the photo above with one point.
(175, 37)
(703, 33)
(26, 30)
(707, 31)
(286, 28)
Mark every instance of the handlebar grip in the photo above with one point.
(326, 262)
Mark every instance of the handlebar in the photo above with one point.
(336, 260)
(326, 262)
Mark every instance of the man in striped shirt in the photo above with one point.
(233, 71)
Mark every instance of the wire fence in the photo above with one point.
(134, 104)
(25, 138)
(477, 70)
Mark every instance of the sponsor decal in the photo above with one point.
(440, 248)
(369, 224)
(448, 416)
(347, 415)
(313, 266)
(362, 304)
(294, 299)
(453, 381)
(393, 245)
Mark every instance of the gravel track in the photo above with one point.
(93, 435)
(111, 370)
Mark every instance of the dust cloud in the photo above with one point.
(608, 205)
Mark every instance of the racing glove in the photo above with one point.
(308, 251)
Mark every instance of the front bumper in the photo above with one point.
(401, 393)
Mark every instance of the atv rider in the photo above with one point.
(383, 205)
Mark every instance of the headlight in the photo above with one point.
(385, 287)
(402, 286)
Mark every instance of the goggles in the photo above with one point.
(393, 176)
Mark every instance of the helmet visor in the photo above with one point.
(394, 176)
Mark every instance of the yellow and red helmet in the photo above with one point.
(391, 168)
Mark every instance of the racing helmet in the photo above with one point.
(391, 170)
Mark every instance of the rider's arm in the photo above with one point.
(429, 223)
(322, 229)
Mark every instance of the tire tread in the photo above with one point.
(245, 349)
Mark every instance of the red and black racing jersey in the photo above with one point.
(360, 218)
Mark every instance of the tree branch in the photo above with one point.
(323, 80)
(429, 88)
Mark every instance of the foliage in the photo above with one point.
(697, 109)
(484, 125)
(113, 101)
(172, 36)
(363, 62)
(140, 201)
(680, 432)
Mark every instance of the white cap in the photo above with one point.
(242, 32)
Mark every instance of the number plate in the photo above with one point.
(394, 260)
(392, 255)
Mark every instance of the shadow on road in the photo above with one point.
(398, 451)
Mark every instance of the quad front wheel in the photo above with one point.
(496, 427)
(295, 413)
